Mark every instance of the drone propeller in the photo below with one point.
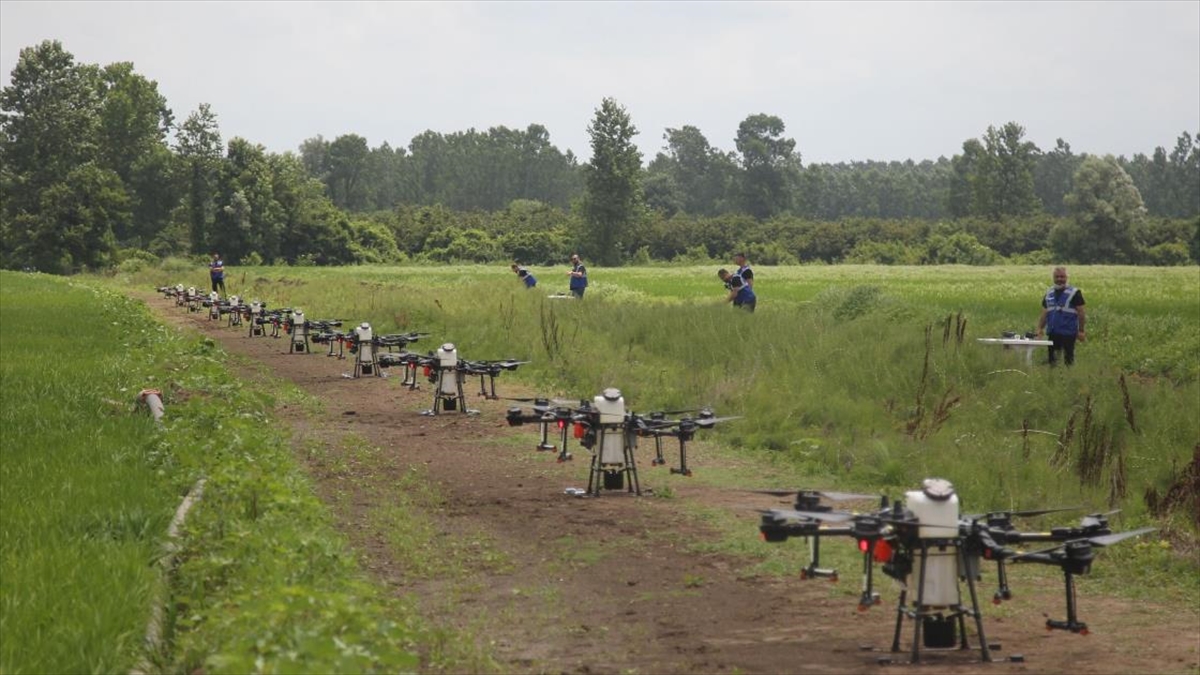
(1103, 540)
(1097, 519)
(828, 494)
(709, 421)
(792, 514)
(1019, 514)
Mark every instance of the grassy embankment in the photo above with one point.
(858, 377)
(263, 582)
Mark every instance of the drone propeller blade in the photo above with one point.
(846, 496)
(828, 517)
(709, 421)
(775, 493)
(1022, 514)
(1110, 539)
(828, 494)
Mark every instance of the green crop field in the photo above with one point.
(90, 485)
(868, 374)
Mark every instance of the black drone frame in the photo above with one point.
(982, 537)
(490, 370)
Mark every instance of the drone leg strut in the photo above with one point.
(683, 469)
(899, 620)
(1072, 623)
(868, 597)
(984, 652)
(918, 618)
(1003, 592)
(630, 465)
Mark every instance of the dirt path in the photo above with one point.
(610, 585)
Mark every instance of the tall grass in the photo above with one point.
(82, 503)
(869, 374)
(264, 583)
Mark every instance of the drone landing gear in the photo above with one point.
(813, 571)
(363, 365)
(452, 400)
(1072, 624)
(410, 376)
(546, 445)
(612, 476)
(939, 625)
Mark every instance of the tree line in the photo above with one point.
(95, 170)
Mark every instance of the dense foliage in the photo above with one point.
(94, 169)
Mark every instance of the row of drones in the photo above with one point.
(602, 425)
(924, 542)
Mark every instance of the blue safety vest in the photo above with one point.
(579, 283)
(745, 294)
(1061, 317)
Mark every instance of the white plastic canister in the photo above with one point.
(611, 406)
(447, 356)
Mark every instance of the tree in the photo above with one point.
(1005, 174)
(1105, 209)
(1052, 177)
(613, 198)
(50, 119)
(965, 175)
(73, 225)
(348, 157)
(770, 165)
(199, 149)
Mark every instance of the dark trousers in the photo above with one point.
(219, 283)
(1066, 343)
(577, 292)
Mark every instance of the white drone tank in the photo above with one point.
(447, 356)
(255, 307)
(366, 349)
(935, 506)
(299, 330)
(191, 291)
(178, 288)
(234, 301)
(214, 310)
(611, 406)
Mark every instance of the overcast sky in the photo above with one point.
(850, 80)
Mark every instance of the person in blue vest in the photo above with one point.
(740, 292)
(216, 272)
(1063, 317)
(578, 274)
(525, 276)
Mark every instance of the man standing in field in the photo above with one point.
(578, 274)
(216, 272)
(1062, 318)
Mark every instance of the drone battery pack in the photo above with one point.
(939, 632)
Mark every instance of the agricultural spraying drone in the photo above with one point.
(610, 432)
(928, 547)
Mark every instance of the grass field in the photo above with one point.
(83, 504)
(89, 487)
(869, 375)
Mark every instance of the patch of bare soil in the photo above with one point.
(610, 585)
